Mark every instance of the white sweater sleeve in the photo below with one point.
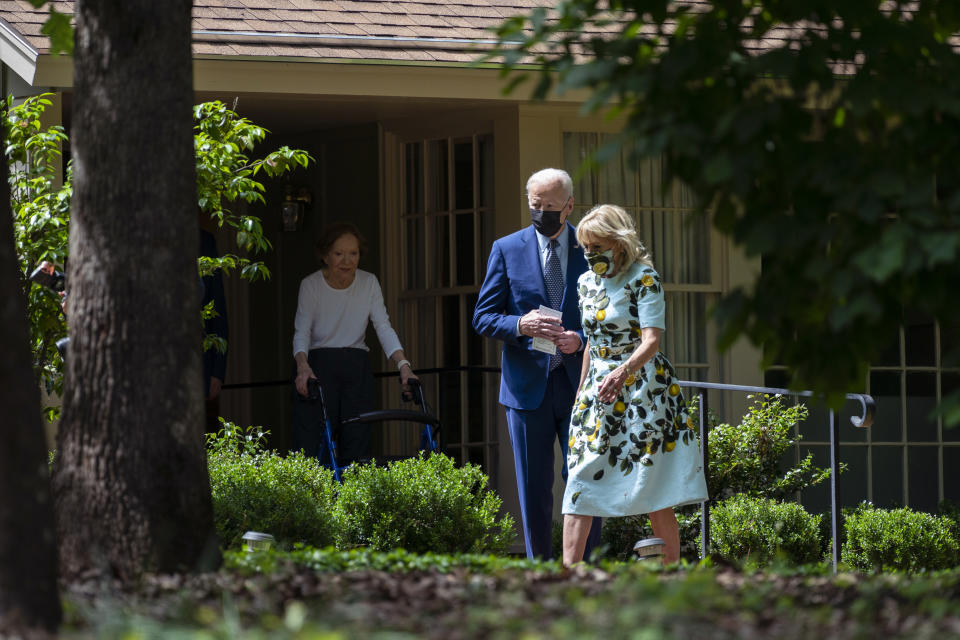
(303, 321)
(381, 321)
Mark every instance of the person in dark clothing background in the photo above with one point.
(214, 362)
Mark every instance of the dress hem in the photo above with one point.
(613, 514)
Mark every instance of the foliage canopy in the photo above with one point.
(227, 172)
(814, 132)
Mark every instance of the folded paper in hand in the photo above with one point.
(543, 344)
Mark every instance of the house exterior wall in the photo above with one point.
(356, 179)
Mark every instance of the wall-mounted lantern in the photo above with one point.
(294, 205)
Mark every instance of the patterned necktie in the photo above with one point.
(553, 278)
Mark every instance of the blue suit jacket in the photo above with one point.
(512, 287)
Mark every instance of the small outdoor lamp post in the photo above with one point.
(295, 201)
(257, 541)
(649, 549)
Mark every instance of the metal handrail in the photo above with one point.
(378, 374)
(867, 407)
(865, 420)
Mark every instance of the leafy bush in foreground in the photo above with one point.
(422, 504)
(762, 529)
(900, 539)
(746, 458)
(256, 489)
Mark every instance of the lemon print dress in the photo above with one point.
(639, 453)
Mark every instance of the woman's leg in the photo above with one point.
(664, 523)
(575, 531)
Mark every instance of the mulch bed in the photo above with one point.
(722, 603)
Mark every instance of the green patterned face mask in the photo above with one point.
(601, 262)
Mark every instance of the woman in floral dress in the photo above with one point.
(633, 448)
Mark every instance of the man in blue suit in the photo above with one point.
(538, 265)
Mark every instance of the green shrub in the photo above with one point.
(899, 539)
(746, 458)
(422, 504)
(761, 529)
(255, 489)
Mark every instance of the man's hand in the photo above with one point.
(537, 325)
(568, 342)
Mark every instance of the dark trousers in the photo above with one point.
(532, 434)
(347, 383)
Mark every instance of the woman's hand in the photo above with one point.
(303, 374)
(406, 375)
(612, 383)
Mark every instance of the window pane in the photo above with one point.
(888, 476)
(485, 150)
(951, 461)
(463, 232)
(450, 408)
(853, 482)
(617, 180)
(486, 241)
(776, 378)
(438, 175)
(924, 478)
(475, 341)
(816, 428)
(475, 456)
(576, 149)
(816, 499)
(463, 174)
(440, 254)
(450, 321)
(950, 344)
(885, 389)
(416, 265)
(413, 177)
(890, 356)
(919, 344)
(650, 175)
(475, 406)
(693, 260)
(657, 232)
(685, 339)
(950, 385)
(921, 401)
(427, 333)
(699, 374)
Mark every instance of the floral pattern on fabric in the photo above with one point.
(648, 425)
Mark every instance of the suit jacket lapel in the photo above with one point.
(531, 257)
(576, 263)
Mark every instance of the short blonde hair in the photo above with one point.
(610, 222)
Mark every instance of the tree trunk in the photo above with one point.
(132, 491)
(28, 554)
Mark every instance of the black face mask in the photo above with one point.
(546, 222)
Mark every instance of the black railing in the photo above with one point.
(867, 406)
(378, 374)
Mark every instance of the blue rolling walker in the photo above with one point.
(429, 433)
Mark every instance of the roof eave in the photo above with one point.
(17, 53)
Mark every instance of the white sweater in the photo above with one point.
(328, 317)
